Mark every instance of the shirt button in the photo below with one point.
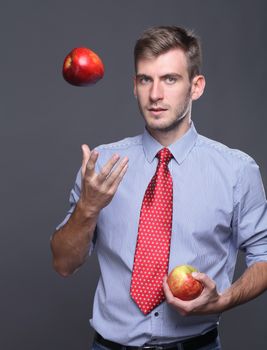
(156, 314)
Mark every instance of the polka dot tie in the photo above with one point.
(154, 235)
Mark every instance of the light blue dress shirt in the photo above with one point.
(219, 207)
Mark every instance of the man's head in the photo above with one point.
(158, 40)
(167, 80)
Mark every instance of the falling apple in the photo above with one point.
(182, 284)
(82, 67)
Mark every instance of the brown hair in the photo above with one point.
(158, 40)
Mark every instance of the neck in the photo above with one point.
(166, 138)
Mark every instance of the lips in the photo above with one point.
(157, 111)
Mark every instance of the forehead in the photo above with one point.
(172, 61)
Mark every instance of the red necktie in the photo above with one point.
(154, 235)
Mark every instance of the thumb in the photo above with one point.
(204, 279)
(86, 155)
(199, 276)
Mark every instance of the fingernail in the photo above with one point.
(194, 274)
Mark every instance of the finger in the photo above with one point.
(86, 155)
(90, 166)
(178, 304)
(116, 175)
(204, 279)
(119, 177)
(106, 169)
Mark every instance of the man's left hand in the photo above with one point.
(208, 302)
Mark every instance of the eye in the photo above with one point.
(144, 80)
(170, 79)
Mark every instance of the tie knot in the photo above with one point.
(164, 155)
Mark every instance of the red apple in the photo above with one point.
(82, 67)
(182, 284)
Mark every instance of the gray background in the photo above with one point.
(44, 121)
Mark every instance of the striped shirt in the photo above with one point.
(219, 207)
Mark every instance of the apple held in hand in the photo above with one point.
(82, 67)
(182, 284)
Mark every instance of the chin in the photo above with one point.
(155, 122)
(161, 126)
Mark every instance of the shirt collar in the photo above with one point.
(179, 149)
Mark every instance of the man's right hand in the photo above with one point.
(98, 189)
(70, 244)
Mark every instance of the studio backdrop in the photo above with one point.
(44, 121)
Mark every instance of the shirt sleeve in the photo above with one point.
(73, 199)
(250, 219)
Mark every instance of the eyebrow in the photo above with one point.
(176, 75)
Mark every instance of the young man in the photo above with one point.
(213, 205)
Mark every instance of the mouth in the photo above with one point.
(157, 111)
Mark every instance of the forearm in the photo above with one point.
(252, 283)
(70, 244)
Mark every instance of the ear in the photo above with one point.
(134, 80)
(198, 86)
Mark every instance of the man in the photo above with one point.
(216, 205)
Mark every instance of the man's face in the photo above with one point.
(163, 90)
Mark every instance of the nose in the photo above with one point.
(156, 91)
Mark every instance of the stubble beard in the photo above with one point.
(181, 113)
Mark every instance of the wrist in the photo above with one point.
(224, 301)
(85, 211)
